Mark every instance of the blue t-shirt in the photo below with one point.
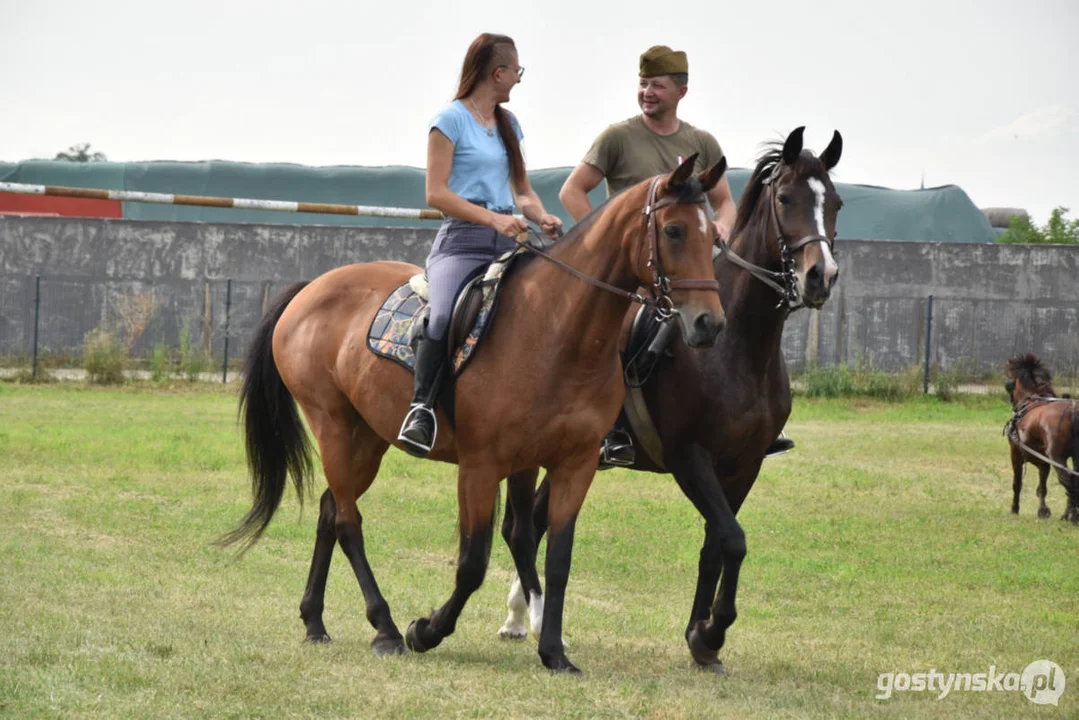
(481, 168)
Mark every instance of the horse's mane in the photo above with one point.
(690, 192)
(1031, 373)
(767, 162)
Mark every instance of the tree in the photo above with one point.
(1058, 231)
(80, 152)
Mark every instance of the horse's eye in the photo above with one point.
(784, 199)
(673, 232)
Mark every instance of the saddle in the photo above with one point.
(403, 316)
(649, 339)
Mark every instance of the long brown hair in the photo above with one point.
(480, 62)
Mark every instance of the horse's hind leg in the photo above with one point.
(1043, 476)
(520, 536)
(476, 494)
(351, 455)
(314, 595)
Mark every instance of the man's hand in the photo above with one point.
(551, 225)
(722, 230)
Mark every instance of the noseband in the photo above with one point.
(784, 281)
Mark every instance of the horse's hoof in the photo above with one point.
(421, 637)
(388, 646)
(559, 664)
(513, 634)
(318, 639)
(1044, 513)
(703, 655)
(715, 668)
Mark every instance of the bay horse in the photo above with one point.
(715, 411)
(1044, 431)
(542, 392)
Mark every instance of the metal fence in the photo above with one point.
(45, 320)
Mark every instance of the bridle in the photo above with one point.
(783, 281)
(662, 284)
(1021, 408)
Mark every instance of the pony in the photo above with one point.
(708, 416)
(1044, 431)
(541, 391)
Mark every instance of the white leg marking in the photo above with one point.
(535, 614)
(514, 627)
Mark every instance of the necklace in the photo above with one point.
(490, 131)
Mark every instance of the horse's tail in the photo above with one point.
(277, 443)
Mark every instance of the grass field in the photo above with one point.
(882, 544)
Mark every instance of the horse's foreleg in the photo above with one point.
(519, 534)
(1043, 477)
(721, 556)
(476, 493)
(315, 593)
(569, 485)
(1017, 478)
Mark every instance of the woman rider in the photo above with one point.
(475, 175)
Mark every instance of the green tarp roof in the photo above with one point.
(944, 214)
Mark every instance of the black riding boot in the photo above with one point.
(780, 445)
(420, 426)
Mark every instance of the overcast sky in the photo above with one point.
(984, 95)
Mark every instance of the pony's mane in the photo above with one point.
(767, 162)
(1032, 374)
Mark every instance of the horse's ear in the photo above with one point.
(792, 148)
(830, 157)
(710, 177)
(682, 172)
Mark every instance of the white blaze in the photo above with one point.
(830, 266)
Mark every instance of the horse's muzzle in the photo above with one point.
(700, 330)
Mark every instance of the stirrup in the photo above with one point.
(412, 447)
(619, 453)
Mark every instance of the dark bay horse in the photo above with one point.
(541, 393)
(1044, 431)
(715, 411)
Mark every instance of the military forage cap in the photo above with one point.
(661, 60)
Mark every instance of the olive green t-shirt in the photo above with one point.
(629, 152)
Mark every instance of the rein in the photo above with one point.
(661, 283)
(784, 281)
(1011, 429)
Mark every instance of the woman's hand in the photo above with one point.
(551, 225)
(509, 225)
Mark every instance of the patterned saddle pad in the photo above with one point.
(395, 324)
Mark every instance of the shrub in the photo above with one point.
(104, 357)
(192, 360)
(160, 362)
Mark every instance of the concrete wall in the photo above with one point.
(990, 301)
